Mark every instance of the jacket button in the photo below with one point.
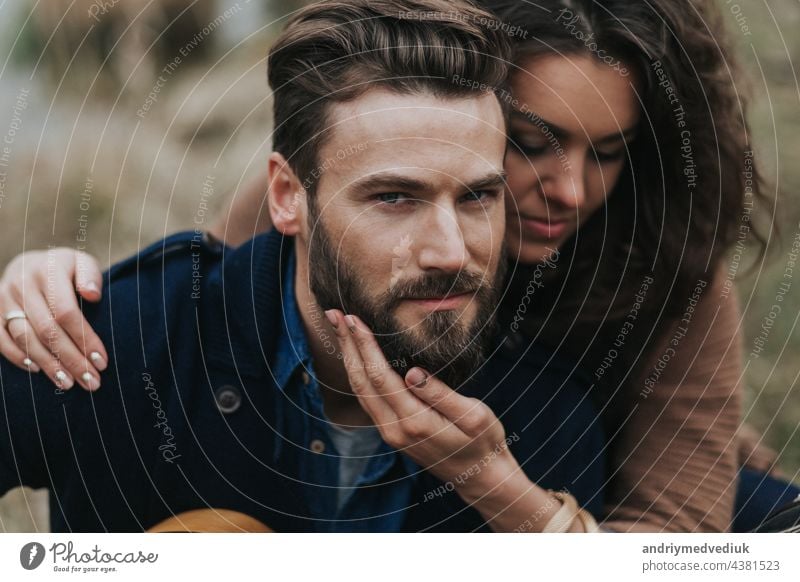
(228, 399)
(317, 446)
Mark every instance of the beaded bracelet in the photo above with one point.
(563, 518)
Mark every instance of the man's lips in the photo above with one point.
(443, 303)
(543, 227)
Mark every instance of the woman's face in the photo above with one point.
(568, 132)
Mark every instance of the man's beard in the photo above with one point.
(446, 348)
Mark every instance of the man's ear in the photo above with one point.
(286, 196)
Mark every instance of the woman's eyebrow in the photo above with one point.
(534, 119)
(625, 135)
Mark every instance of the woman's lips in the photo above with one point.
(550, 230)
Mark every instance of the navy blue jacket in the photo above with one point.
(182, 419)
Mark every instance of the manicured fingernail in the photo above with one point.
(30, 365)
(417, 378)
(91, 286)
(332, 318)
(91, 382)
(65, 381)
(351, 322)
(98, 361)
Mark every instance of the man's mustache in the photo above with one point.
(433, 286)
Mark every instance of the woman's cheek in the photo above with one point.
(607, 181)
(521, 180)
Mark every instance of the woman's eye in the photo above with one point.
(612, 156)
(527, 149)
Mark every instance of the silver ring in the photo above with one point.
(14, 314)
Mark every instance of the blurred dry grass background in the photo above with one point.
(84, 170)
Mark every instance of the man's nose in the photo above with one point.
(441, 242)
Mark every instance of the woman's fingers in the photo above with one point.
(470, 415)
(380, 373)
(12, 277)
(13, 353)
(67, 313)
(60, 351)
(52, 276)
(88, 278)
(23, 335)
(360, 384)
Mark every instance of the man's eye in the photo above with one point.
(480, 196)
(391, 198)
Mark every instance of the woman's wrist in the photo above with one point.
(509, 501)
(495, 481)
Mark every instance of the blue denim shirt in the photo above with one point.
(382, 490)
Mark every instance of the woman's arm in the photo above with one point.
(247, 214)
(677, 460)
(54, 336)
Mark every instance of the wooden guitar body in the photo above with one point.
(210, 520)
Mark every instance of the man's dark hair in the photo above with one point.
(334, 51)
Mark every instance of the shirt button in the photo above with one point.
(317, 446)
(306, 378)
(228, 399)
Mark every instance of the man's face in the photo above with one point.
(407, 226)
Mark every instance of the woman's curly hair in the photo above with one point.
(691, 188)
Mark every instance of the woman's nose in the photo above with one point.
(564, 185)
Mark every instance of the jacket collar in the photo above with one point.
(242, 311)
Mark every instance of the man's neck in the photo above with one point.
(341, 405)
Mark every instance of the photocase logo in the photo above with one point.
(31, 555)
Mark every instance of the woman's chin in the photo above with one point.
(532, 252)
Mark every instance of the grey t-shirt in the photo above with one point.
(356, 446)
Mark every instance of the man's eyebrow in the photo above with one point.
(392, 182)
(493, 180)
(537, 121)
